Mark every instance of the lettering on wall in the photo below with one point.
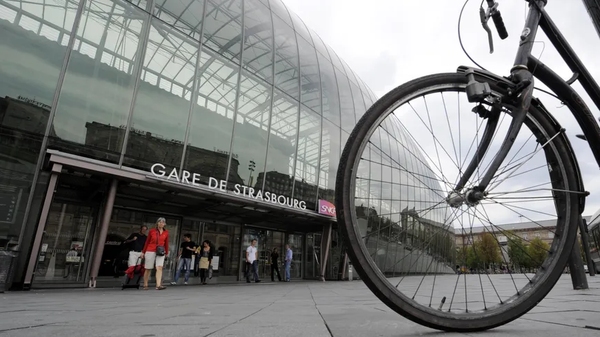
(193, 179)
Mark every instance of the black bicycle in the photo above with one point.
(460, 155)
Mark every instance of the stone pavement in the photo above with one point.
(265, 309)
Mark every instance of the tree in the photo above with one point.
(538, 250)
(489, 249)
(517, 252)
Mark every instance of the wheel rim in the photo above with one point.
(427, 307)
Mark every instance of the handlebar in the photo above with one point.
(493, 13)
(499, 23)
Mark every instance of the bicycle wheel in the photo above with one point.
(397, 169)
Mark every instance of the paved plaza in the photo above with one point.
(300, 308)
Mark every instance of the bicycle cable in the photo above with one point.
(472, 60)
(460, 37)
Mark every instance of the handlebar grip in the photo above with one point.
(499, 23)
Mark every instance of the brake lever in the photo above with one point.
(484, 22)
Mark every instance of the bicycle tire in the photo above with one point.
(375, 279)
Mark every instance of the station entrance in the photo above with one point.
(90, 211)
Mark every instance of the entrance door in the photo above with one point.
(64, 253)
(267, 241)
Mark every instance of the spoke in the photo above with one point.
(528, 159)
(450, 129)
(432, 133)
(487, 219)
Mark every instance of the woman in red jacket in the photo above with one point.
(154, 252)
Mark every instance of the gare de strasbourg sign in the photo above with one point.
(189, 178)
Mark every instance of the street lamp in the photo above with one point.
(251, 168)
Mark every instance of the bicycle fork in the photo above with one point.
(521, 93)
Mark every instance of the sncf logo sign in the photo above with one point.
(327, 208)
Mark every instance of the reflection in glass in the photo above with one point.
(310, 90)
(282, 145)
(223, 28)
(330, 95)
(251, 130)
(346, 102)
(98, 88)
(162, 104)
(184, 15)
(286, 58)
(28, 81)
(307, 163)
(212, 120)
(330, 159)
(258, 40)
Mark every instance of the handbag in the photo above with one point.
(160, 250)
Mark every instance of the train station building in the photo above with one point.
(225, 117)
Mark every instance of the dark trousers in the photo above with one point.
(275, 269)
(252, 268)
(203, 275)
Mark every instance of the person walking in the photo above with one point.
(154, 252)
(206, 256)
(275, 265)
(136, 243)
(252, 261)
(288, 262)
(186, 249)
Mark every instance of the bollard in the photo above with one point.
(585, 242)
(350, 272)
(576, 268)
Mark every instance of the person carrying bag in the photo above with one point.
(155, 251)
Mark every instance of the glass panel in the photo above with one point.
(28, 80)
(185, 15)
(300, 27)
(295, 242)
(307, 162)
(96, 95)
(163, 103)
(279, 9)
(320, 45)
(66, 244)
(212, 118)
(347, 102)
(225, 240)
(223, 28)
(258, 46)
(330, 95)
(282, 145)
(310, 94)
(286, 58)
(351, 75)
(251, 130)
(359, 103)
(336, 60)
(330, 159)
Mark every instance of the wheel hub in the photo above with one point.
(470, 197)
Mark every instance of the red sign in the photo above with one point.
(327, 208)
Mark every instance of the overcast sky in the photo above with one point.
(388, 42)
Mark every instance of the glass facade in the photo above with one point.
(239, 90)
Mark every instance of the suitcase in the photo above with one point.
(134, 282)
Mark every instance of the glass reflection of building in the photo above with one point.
(239, 90)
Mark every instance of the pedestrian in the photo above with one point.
(154, 252)
(136, 243)
(275, 265)
(288, 262)
(186, 249)
(252, 261)
(206, 256)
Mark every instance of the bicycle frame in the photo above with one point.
(525, 68)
